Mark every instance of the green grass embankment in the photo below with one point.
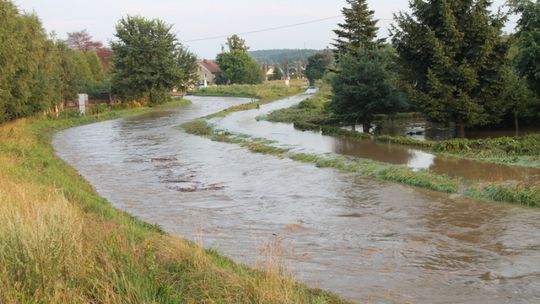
(60, 242)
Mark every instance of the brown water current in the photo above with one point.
(286, 135)
(368, 241)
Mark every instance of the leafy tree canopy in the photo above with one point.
(237, 67)
(235, 43)
(454, 60)
(317, 66)
(363, 87)
(528, 39)
(359, 30)
(146, 59)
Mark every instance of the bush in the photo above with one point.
(98, 109)
(523, 194)
(404, 141)
(69, 114)
(526, 145)
(198, 127)
(119, 106)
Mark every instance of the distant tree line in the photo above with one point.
(283, 56)
(448, 59)
(40, 72)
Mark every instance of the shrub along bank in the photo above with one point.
(60, 242)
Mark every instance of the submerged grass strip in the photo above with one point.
(528, 195)
(312, 115)
(60, 242)
(363, 167)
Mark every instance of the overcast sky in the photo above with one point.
(210, 18)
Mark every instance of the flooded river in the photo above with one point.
(285, 134)
(365, 240)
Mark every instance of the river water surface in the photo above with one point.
(365, 240)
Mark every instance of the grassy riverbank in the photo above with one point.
(261, 94)
(528, 195)
(312, 115)
(60, 242)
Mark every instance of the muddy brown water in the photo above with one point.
(286, 135)
(368, 241)
(420, 129)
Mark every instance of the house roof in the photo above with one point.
(210, 65)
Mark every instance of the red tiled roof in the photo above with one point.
(211, 66)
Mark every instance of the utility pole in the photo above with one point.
(288, 77)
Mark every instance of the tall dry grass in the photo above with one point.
(62, 243)
(41, 244)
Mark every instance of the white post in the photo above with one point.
(83, 98)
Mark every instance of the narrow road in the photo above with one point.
(366, 240)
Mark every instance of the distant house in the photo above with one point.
(269, 72)
(208, 70)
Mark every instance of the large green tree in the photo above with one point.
(518, 98)
(84, 42)
(38, 72)
(67, 71)
(359, 31)
(364, 86)
(454, 60)
(317, 66)
(528, 40)
(237, 66)
(235, 43)
(95, 66)
(145, 63)
(187, 64)
(28, 62)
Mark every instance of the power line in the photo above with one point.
(272, 29)
(266, 29)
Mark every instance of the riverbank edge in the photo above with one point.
(260, 94)
(135, 262)
(454, 148)
(520, 161)
(525, 195)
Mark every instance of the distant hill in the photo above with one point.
(283, 56)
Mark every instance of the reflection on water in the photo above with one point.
(419, 128)
(369, 241)
(287, 135)
(420, 160)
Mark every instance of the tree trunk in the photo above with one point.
(460, 130)
(516, 123)
(353, 126)
(366, 126)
